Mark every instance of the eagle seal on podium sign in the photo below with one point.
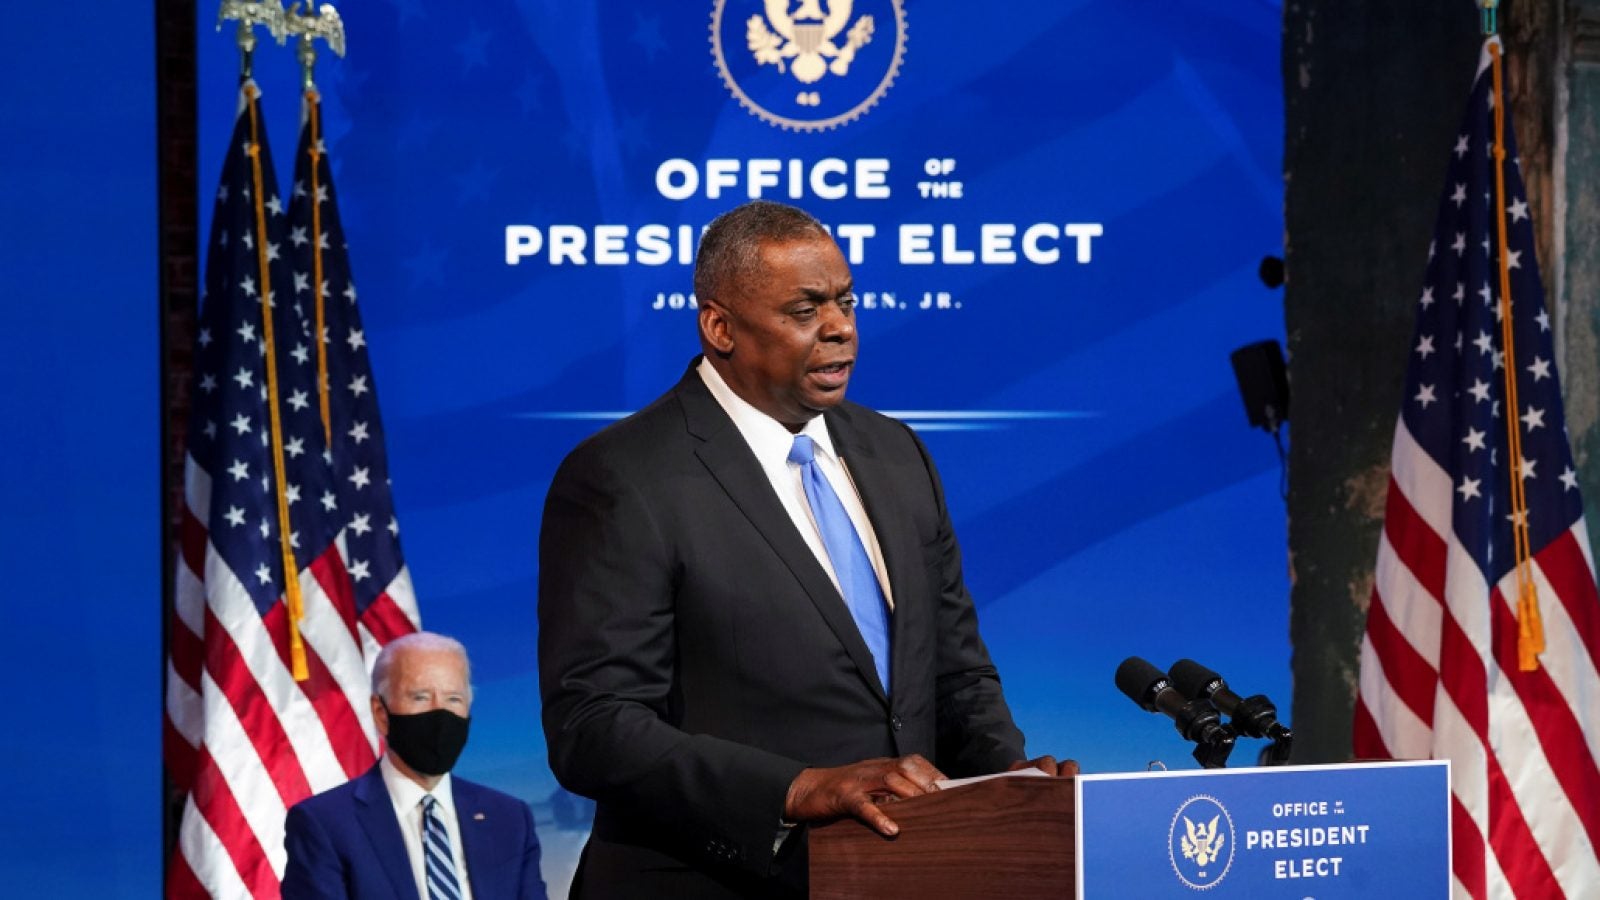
(1202, 851)
(808, 65)
(1202, 843)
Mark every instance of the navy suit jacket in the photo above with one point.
(694, 656)
(346, 843)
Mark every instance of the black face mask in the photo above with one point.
(429, 742)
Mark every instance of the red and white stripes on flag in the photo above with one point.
(1440, 671)
(266, 471)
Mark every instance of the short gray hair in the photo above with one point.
(730, 250)
(420, 640)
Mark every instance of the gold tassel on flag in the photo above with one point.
(1530, 624)
(249, 13)
(291, 570)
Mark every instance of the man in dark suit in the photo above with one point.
(406, 828)
(721, 660)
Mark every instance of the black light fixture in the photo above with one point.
(1271, 272)
(1263, 384)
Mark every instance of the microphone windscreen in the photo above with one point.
(1191, 678)
(1135, 678)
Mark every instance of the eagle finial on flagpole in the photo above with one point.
(325, 24)
(250, 13)
(1491, 12)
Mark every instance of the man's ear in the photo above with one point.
(380, 716)
(716, 328)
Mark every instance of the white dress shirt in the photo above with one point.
(407, 796)
(770, 441)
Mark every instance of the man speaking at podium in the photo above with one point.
(751, 608)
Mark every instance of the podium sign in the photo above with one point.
(1324, 832)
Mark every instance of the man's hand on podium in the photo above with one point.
(856, 789)
(1067, 768)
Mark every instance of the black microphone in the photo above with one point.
(1196, 720)
(1254, 716)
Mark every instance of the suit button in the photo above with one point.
(894, 722)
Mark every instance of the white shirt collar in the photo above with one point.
(406, 794)
(768, 438)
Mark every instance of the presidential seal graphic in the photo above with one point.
(1200, 842)
(808, 65)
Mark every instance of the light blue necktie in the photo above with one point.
(857, 581)
(439, 865)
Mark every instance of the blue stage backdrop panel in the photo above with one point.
(80, 413)
(1054, 214)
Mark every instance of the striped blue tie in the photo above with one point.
(438, 864)
(857, 581)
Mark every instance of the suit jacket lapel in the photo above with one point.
(375, 811)
(477, 838)
(728, 457)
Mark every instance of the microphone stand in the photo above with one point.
(1211, 750)
(1277, 752)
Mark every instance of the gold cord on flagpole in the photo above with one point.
(1530, 625)
(291, 570)
(328, 26)
(314, 114)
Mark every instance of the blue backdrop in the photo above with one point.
(1077, 192)
(80, 611)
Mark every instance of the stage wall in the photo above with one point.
(1054, 213)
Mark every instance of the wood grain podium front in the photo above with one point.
(1006, 837)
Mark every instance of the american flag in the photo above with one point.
(1440, 672)
(244, 739)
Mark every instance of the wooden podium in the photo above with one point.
(1005, 837)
